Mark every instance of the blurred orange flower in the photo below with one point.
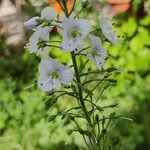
(55, 4)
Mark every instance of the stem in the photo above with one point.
(54, 46)
(72, 7)
(65, 8)
(79, 88)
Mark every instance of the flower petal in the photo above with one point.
(46, 65)
(56, 84)
(70, 44)
(31, 23)
(105, 23)
(84, 26)
(67, 75)
(107, 30)
(96, 41)
(49, 13)
(45, 84)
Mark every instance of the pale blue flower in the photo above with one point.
(53, 74)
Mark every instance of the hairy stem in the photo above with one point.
(80, 89)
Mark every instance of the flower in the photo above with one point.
(97, 54)
(53, 74)
(48, 16)
(107, 30)
(32, 23)
(37, 41)
(74, 31)
(42, 27)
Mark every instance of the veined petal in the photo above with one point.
(84, 26)
(111, 36)
(56, 84)
(107, 30)
(44, 33)
(32, 47)
(31, 23)
(80, 48)
(34, 37)
(70, 44)
(96, 41)
(105, 23)
(49, 13)
(46, 65)
(97, 54)
(67, 75)
(45, 84)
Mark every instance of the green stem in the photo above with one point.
(79, 88)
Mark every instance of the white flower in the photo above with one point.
(97, 54)
(48, 16)
(53, 74)
(107, 30)
(37, 41)
(32, 23)
(74, 31)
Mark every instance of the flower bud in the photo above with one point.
(51, 118)
(31, 23)
(85, 3)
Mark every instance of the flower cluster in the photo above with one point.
(74, 35)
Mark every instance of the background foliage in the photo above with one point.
(24, 109)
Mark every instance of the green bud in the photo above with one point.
(84, 132)
(111, 69)
(104, 131)
(69, 132)
(114, 105)
(89, 69)
(100, 109)
(71, 118)
(40, 21)
(96, 118)
(51, 118)
(63, 116)
(112, 80)
(116, 141)
(112, 114)
(103, 120)
(85, 3)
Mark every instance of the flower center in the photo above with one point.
(95, 53)
(54, 75)
(74, 33)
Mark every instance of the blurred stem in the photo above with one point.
(65, 8)
(72, 7)
(80, 89)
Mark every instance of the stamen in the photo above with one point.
(74, 33)
(54, 75)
